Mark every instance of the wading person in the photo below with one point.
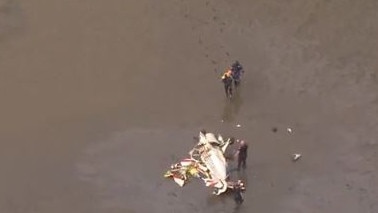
(237, 71)
(242, 155)
(238, 189)
(227, 81)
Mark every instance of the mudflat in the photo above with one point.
(98, 98)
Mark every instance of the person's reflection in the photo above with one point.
(237, 101)
(214, 200)
(227, 115)
(232, 107)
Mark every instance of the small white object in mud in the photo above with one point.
(289, 130)
(296, 157)
(222, 121)
(238, 125)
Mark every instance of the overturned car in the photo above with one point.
(207, 162)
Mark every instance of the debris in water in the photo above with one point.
(289, 130)
(296, 157)
(238, 125)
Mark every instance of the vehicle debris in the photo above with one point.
(296, 156)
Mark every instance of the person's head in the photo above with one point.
(242, 142)
(229, 72)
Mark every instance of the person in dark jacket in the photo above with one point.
(238, 190)
(242, 154)
(237, 71)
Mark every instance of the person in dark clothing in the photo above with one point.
(227, 81)
(242, 155)
(237, 71)
(238, 189)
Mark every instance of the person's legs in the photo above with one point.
(238, 197)
(236, 83)
(230, 90)
(239, 162)
(244, 162)
(226, 89)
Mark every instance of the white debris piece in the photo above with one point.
(296, 157)
(289, 130)
(238, 125)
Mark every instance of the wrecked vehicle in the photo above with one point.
(207, 162)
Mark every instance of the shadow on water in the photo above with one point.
(238, 208)
(213, 200)
(232, 106)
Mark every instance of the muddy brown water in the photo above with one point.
(99, 97)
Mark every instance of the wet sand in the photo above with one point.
(100, 97)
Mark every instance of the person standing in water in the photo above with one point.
(242, 155)
(237, 71)
(227, 81)
(238, 190)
